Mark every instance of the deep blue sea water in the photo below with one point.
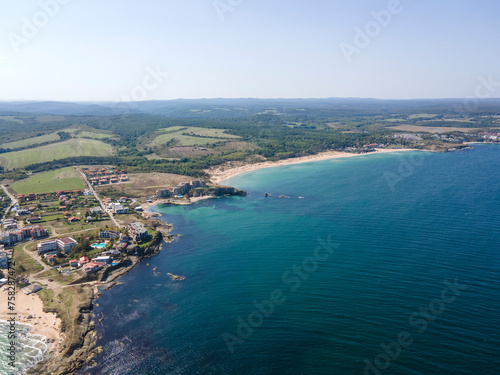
(380, 248)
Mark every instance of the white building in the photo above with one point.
(46, 246)
(66, 244)
(117, 208)
(103, 259)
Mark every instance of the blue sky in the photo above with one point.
(105, 50)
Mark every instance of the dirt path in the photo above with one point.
(12, 198)
(97, 197)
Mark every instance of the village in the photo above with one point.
(77, 234)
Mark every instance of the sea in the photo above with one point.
(374, 264)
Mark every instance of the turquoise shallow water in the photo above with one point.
(364, 258)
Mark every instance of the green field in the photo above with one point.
(47, 182)
(204, 135)
(61, 150)
(12, 119)
(93, 135)
(32, 141)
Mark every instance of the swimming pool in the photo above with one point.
(98, 245)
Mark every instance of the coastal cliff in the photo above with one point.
(216, 191)
(79, 348)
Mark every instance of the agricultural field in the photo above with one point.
(71, 148)
(429, 129)
(421, 116)
(189, 136)
(12, 119)
(142, 185)
(31, 141)
(47, 182)
(93, 135)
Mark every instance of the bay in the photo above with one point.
(355, 254)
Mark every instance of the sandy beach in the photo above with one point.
(156, 202)
(220, 174)
(45, 324)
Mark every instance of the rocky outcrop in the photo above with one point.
(217, 191)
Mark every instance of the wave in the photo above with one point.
(30, 348)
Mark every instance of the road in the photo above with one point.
(34, 254)
(12, 198)
(97, 197)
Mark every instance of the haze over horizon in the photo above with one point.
(62, 50)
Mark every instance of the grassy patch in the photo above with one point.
(189, 135)
(32, 141)
(48, 218)
(47, 182)
(93, 135)
(12, 119)
(25, 264)
(71, 148)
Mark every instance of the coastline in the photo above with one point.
(219, 175)
(146, 206)
(30, 313)
(44, 324)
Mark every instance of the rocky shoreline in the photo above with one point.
(84, 348)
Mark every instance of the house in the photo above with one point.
(33, 218)
(163, 193)
(46, 246)
(9, 224)
(108, 234)
(73, 263)
(137, 231)
(123, 200)
(103, 260)
(51, 258)
(66, 244)
(117, 208)
(83, 260)
(123, 178)
(91, 267)
(112, 252)
(96, 210)
(74, 219)
(23, 212)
